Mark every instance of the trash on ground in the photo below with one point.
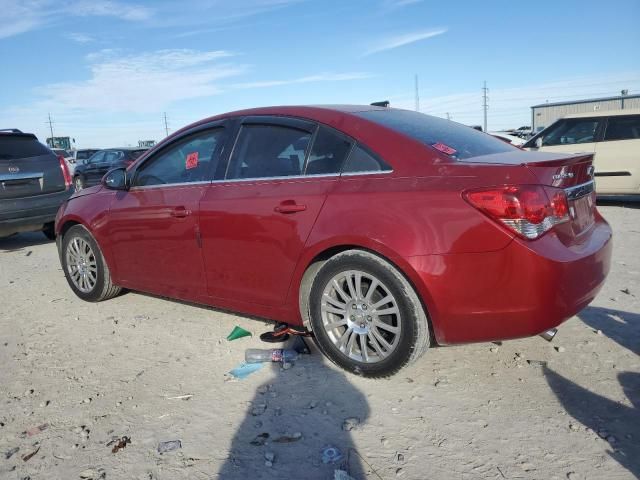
(93, 474)
(10, 453)
(341, 475)
(537, 363)
(35, 430)
(331, 454)
(350, 423)
(260, 439)
(164, 447)
(119, 443)
(243, 370)
(289, 438)
(238, 332)
(257, 355)
(181, 397)
(29, 456)
(269, 458)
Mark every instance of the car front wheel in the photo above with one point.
(78, 184)
(366, 317)
(84, 266)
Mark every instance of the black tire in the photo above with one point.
(49, 231)
(78, 183)
(103, 289)
(414, 337)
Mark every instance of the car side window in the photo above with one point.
(360, 160)
(264, 151)
(572, 131)
(623, 128)
(191, 159)
(113, 156)
(328, 153)
(96, 157)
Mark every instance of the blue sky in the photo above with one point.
(107, 70)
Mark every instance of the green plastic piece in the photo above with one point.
(238, 332)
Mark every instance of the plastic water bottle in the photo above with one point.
(256, 355)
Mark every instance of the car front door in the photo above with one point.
(617, 159)
(256, 220)
(153, 227)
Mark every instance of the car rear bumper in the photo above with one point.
(30, 213)
(519, 291)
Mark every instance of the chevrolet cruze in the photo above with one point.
(381, 231)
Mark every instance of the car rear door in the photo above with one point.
(617, 158)
(256, 220)
(153, 227)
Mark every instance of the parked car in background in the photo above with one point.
(34, 182)
(83, 154)
(510, 139)
(378, 229)
(614, 139)
(91, 170)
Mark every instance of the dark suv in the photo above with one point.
(34, 182)
(90, 171)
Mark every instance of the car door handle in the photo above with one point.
(180, 212)
(290, 206)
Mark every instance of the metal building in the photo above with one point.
(545, 114)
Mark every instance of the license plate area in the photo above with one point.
(581, 211)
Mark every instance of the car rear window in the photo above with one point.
(451, 138)
(82, 154)
(20, 146)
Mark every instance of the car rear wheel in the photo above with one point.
(366, 316)
(84, 266)
(78, 184)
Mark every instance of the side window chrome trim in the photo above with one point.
(167, 185)
(279, 178)
(367, 172)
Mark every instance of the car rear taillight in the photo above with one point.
(528, 210)
(65, 172)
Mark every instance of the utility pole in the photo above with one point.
(417, 96)
(448, 116)
(50, 122)
(166, 125)
(485, 105)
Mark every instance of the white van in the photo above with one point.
(614, 138)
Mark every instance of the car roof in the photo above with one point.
(606, 113)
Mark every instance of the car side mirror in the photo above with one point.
(85, 161)
(116, 179)
(538, 142)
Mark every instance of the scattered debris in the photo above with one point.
(350, 423)
(399, 457)
(164, 447)
(626, 290)
(243, 370)
(331, 454)
(341, 475)
(93, 474)
(260, 439)
(140, 318)
(259, 409)
(289, 438)
(238, 332)
(269, 458)
(29, 456)
(181, 397)
(494, 349)
(10, 453)
(537, 363)
(560, 349)
(119, 443)
(35, 430)
(28, 253)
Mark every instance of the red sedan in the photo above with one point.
(380, 230)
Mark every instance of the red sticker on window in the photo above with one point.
(192, 160)
(444, 148)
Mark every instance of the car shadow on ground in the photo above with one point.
(615, 325)
(296, 414)
(616, 423)
(17, 242)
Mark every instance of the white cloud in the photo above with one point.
(323, 77)
(79, 37)
(20, 16)
(146, 82)
(402, 40)
(393, 4)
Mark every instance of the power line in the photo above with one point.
(50, 122)
(485, 99)
(166, 125)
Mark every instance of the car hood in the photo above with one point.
(87, 191)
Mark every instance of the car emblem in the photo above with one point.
(591, 170)
(14, 169)
(562, 175)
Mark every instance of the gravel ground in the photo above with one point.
(154, 370)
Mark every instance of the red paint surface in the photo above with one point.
(245, 246)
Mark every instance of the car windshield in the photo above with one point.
(451, 138)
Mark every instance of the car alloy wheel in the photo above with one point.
(78, 184)
(361, 316)
(82, 265)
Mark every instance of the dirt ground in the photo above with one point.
(154, 370)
